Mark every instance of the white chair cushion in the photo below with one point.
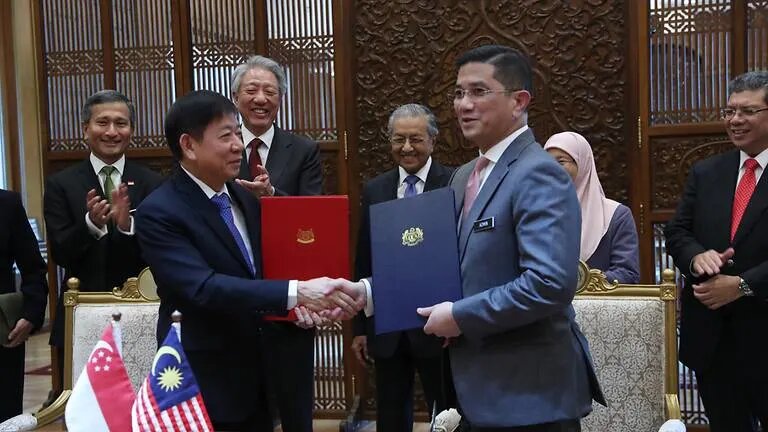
(137, 326)
(626, 339)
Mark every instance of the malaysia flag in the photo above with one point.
(169, 399)
(103, 394)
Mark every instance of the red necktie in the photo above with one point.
(743, 194)
(254, 158)
(473, 185)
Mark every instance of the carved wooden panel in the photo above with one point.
(74, 66)
(672, 158)
(405, 53)
(689, 60)
(757, 34)
(144, 67)
(223, 36)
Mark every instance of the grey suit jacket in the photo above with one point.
(521, 358)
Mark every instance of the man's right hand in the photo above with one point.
(330, 296)
(98, 208)
(360, 348)
(710, 262)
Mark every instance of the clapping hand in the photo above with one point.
(260, 186)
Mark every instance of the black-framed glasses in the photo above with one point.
(729, 113)
(474, 94)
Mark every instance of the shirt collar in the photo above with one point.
(266, 137)
(421, 174)
(494, 153)
(98, 164)
(761, 158)
(207, 190)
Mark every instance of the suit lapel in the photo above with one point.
(89, 179)
(279, 153)
(723, 186)
(435, 177)
(252, 217)
(133, 182)
(199, 203)
(492, 182)
(755, 209)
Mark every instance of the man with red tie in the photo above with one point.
(718, 239)
(279, 163)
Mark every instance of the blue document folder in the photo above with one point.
(415, 257)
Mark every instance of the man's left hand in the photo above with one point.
(19, 334)
(440, 320)
(120, 210)
(260, 186)
(717, 291)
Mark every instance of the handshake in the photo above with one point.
(323, 299)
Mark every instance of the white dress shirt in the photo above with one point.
(421, 174)
(117, 178)
(263, 149)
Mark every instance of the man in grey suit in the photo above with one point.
(278, 163)
(519, 360)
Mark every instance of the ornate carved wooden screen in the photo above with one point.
(155, 50)
(405, 52)
(689, 53)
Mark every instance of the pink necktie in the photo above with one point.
(743, 194)
(473, 185)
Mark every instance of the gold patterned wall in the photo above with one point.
(405, 52)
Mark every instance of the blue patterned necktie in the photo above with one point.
(410, 188)
(225, 211)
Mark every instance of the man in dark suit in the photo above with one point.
(18, 245)
(88, 206)
(412, 131)
(276, 162)
(200, 234)
(718, 241)
(518, 359)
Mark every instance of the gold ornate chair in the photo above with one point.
(87, 314)
(632, 336)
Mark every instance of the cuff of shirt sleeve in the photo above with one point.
(130, 232)
(293, 290)
(368, 297)
(94, 230)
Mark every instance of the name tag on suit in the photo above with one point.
(484, 224)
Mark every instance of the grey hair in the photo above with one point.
(413, 110)
(750, 81)
(105, 97)
(260, 62)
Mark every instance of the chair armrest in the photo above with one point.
(53, 411)
(672, 407)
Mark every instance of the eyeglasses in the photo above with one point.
(400, 141)
(474, 94)
(729, 113)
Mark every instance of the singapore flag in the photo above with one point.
(103, 395)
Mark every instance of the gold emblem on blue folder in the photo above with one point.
(305, 236)
(413, 236)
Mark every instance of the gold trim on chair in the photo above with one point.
(593, 283)
(141, 289)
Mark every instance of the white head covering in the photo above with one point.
(596, 209)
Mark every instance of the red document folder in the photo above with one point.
(304, 238)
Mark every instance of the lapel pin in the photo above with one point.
(129, 183)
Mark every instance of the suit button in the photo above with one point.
(730, 263)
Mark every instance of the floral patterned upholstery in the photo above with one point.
(137, 326)
(626, 337)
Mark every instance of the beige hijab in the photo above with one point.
(596, 209)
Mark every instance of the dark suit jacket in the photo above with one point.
(293, 164)
(703, 222)
(379, 189)
(99, 264)
(18, 244)
(201, 272)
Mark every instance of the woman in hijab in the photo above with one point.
(608, 235)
